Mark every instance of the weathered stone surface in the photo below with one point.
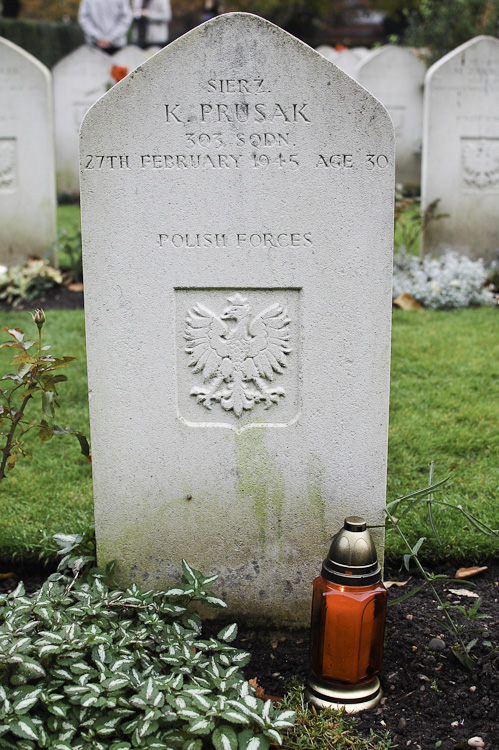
(80, 79)
(461, 151)
(395, 76)
(27, 162)
(237, 208)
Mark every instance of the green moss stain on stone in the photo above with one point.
(261, 481)
(315, 498)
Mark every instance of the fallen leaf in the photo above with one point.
(259, 691)
(464, 592)
(407, 302)
(75, 287)
(470, 572)
(7, 575)
(389, 584)
(274, 643)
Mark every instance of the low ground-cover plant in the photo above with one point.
(24, 283)
(37, 374)
(327, 729)
(451, 281)
(84, 666)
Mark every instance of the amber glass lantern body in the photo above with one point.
(347, 631)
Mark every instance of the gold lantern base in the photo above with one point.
(353, 698)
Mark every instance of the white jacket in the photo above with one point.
(159, 14)
(105, 19)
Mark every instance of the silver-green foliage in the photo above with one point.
(84, 666)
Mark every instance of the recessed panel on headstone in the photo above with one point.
(460, 175)
(27, 161)
(395, 76)
(80, 79)
(237, 208)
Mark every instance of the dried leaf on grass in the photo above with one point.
(470, 572)
(407, 302)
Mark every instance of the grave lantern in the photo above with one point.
(348, 623)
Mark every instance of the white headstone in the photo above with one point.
(80, 79)
(237, 208)
(327, 51)
(461, 151)
(27, 161)
(361, 52)
(132, 56)
(347, 61)
(396, 77)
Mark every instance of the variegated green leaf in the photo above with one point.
(224, 738)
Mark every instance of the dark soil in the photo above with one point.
(57, 298)
(430, 700)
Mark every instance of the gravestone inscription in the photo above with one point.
(461, 151)
(237, 198)
(27, 161)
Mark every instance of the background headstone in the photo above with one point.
(395, 76)
(237, 209)
(132, 56)
(461, 151)
(80, 79)
(330, 53)
(27, 162)
(348, 61)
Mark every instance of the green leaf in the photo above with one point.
(235, 717)
(48, 403)
(257, 743)
(228, 633)
(203, 726)
(213, 601)
(224, 738)
(115, 683)
(190, 574)
(24, 728)
(418, 546)
(45, 433)
(27, 698)
(191, 745)
(273, 735)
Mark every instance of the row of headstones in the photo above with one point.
(461, 123)
(41, 114)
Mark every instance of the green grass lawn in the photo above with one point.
(444, 408)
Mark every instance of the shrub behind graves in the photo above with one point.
(447, 282)
(84, 666)
(442, 25)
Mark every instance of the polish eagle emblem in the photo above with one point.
(238, 354)
(480, 159)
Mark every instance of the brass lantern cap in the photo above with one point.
(352, 559)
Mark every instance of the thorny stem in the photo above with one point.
(427, 580)
(10, 437)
